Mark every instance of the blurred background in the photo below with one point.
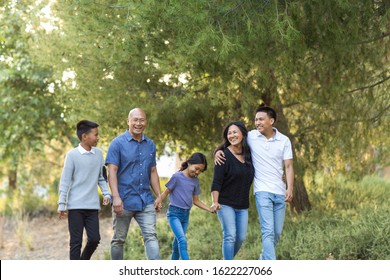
(194, 66)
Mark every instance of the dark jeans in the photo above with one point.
(79, 219)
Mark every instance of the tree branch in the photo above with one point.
(384, 35)
(112, 5)
(380, 114)
(369, 86)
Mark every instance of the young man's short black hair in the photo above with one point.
(268, 110)
(84, 126)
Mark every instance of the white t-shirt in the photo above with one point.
(268, 156)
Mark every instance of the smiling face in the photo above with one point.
(263, 122)
(193, 170)
(91, 138)
(234, 135)
(137, 123)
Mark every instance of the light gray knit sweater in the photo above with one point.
(81, 175)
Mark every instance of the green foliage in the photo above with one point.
(362, 234)
(195, 66)
(349, 221)
(331, 193)
(22, 202)
(30, 111)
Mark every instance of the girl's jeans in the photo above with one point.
(178, 220)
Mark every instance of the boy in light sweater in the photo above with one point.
(78, 193)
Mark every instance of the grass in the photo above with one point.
(22, 231)
(349, 221)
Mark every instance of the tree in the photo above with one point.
(194, 66)
(30, 112)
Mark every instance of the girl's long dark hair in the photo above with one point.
(195, 158)
(245, 147)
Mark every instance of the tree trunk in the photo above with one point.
(12, 176)
(300, 200)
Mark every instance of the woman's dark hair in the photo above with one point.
(84, 126)
(195, 158)
(245, 147)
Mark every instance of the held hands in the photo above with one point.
(158, 204)
(215, 207)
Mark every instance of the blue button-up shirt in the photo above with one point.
(134, 161)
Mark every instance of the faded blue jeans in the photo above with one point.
(178, 219)
(234, 223)
(146, 220)
(271, 208)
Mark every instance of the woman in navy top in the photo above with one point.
(230, 188)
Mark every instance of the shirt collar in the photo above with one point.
(273, 138)
(84, 151)
(129, 137)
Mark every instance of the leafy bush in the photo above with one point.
(361, 235)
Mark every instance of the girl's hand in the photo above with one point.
(158, 204)
(158, 207)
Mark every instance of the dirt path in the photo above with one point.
(45, 238)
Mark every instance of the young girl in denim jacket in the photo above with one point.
(183, 189)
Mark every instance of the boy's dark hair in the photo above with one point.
(84, 126)
(268, 110)
(195, 158)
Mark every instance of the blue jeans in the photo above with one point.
(146, 220)
(234, 223)
(271, 208)
(178, 220)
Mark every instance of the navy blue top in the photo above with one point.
(233, 181)
(134, 161)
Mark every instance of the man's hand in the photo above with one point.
(219, 158)
(117, 204)
(289, 195)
